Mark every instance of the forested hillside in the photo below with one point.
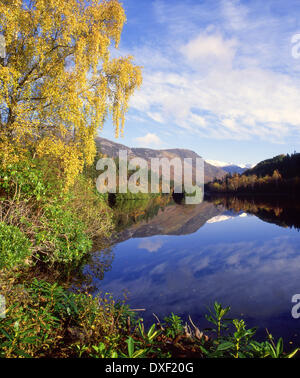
(287, 165)
(280, 174)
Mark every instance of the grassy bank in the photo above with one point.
(44, 320)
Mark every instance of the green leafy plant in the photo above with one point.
(132, 351)
(241, 335)
(101, 351)
(174, 325)
(15, 247)
(217, 317)
(149, 336)
(62, 238)
(45, 320)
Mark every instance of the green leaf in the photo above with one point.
(203, 350)
(5, 333)
(291, 355)
(130, 343)
(138, 353)
(29, 340)
(279, 347)
(22, 353)
(224, 346)
(271, 350)
(151, 330)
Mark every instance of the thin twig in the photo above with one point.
(137, 309)
(158, 322)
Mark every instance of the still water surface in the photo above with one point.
(186, 257)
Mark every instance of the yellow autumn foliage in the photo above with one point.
(58, 82)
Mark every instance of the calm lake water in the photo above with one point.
(245, 254)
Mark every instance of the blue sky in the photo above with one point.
(219, 77)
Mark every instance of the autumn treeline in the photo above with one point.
(281, 174)
(237, 183)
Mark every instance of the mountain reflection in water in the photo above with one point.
(241, 252)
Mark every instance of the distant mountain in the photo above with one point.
(230, 167)
(234, 169)
(111, 149)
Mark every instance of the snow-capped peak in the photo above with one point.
(222, 218)
(217, 163)
(221, 164)
(246, 166)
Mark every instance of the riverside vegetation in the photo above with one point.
(46, 234)
(53, 98)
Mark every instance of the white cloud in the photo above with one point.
(209, 49)
(231, 103)
(220, 71)
(150, 245)
(197, 120)
(235, 14)
(149, 140)
(156, 116)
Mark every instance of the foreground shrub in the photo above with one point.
(45, 320)
(14, 246)
(34, 180)
(61, 238)
(60, 225)
(91, 207)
